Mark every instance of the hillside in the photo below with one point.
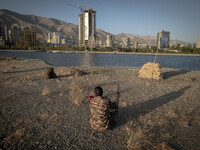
(44, 25)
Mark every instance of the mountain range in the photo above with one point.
(44, 25)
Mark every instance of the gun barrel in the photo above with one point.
(118, 89)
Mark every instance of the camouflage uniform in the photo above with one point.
(101, 116)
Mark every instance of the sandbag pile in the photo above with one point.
(151, 71)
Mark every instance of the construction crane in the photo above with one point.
(80, 7)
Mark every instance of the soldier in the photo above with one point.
(103, 111)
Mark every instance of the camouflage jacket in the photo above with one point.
(100, 112)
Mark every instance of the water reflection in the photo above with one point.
(87, 60)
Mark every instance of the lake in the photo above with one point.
(105, 59)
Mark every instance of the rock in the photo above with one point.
(3, 58)
(14, 57)
(50, 74)
(78, 73)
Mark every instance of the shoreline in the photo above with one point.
(97, 52)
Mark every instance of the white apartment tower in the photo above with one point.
(15, 33)
(125, 42)
(109, 41)
(87, 26)
(136, 44)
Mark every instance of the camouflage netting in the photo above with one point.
(151, 71)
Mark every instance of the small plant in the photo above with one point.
(192, 79)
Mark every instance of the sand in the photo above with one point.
(39, 113)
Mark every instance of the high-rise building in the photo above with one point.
(4, 33)
(1, 30)
(198, 46)
(87, 26)
(29, 38)
(136, 45)
(56, 38)
(163, 39)
(126, 42)
(2, 41)
(109, 41)
(10, 34)
(48, 37)
(63, 41)
(7, 40)
(100, 43)
(15, 33)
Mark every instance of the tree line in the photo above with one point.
(189, 49)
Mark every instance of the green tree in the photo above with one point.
(178, 47)
(194, 46)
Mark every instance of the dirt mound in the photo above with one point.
(3, 57)
(79, 73)
(50, 74)
(151, 71)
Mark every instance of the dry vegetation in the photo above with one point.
(40, 113)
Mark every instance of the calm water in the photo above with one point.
(87, 59)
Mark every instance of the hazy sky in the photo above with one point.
(142, 17)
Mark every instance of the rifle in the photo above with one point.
(118, 89)
(117, 99)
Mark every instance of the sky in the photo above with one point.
(141, 17)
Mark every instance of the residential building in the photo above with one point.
(16, 33)
(109, 41)
(2, 41)
(49, 37)
(1, 30)
(4, 33)
(163, 39)
(63, 41)
(136, 45)
(125, 42)
(56, 38)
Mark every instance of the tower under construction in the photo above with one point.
(87, 28)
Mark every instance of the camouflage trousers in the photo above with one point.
(113, 118)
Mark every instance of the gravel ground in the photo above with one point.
(39, 113)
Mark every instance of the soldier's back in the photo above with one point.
(99, 119)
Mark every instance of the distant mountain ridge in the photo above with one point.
(44, 25)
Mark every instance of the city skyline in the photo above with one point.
(144, 17)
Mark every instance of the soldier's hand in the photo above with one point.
(118, 96)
